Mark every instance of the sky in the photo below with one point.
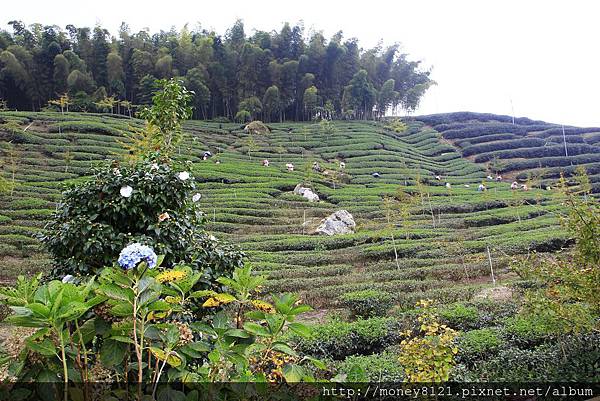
(536, 59)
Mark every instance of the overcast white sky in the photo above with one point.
(541, 55)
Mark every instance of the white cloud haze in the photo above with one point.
(541, 55)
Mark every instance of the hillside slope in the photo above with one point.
(444, 239)
(523, 149)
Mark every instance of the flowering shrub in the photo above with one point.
(133, 254)
(153, 202)
(118, 329)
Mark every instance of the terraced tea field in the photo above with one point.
(444, 238)
(522, 148)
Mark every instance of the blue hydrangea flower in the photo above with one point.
(133, 254)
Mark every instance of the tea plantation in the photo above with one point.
(522, 148)
(423, 229)
(441, 240)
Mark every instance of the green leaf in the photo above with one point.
(112, 353)
(203, 328)
(172, 358)
(72, 311)
(196, 349)
(275, 323)
(45, 347)
(113, 291)
(293, 373)
(319, 364)
(87, 330)
(256, 329)
(237, 333)
(122, 339)
(159, 305)
(122, 309)
(255, 315)
(283, 347)
(202, 294)
(300, 329)
(300, 309)
(39, 310)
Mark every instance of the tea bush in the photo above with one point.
(459, 316)
(338, 340)
(367, 303)
(572, 358)
(382, 367)
(478, 344)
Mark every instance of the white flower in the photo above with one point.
(184, 175)
(126, 191)
(154, 166)
(116, 172)
(212, 238)
(68, 279)
(196, 197)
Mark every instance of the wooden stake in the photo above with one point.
(491, 266)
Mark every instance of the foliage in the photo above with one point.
(223, 69)
(338, 340)
(252, 344)
(529, 330)
(459, 316)
(397, 126)
(382, 367)
(566, 286)
(429, 354)
(573, 357)
(367, 303)
(54, 309)
(478, 344)
(149, 202)
(119, 328)
(170, 107)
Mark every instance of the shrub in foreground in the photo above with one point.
(117, 329)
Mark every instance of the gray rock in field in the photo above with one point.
(340, 222)
(306, 192)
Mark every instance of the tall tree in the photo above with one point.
(272, 104)
(61, 74)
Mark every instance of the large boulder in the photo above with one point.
(306, 192)
(340, 222)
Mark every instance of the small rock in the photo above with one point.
(340, 222)
(306, 192)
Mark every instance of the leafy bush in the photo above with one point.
(338, 340)
(367, 303)
(572, 358)
(382, 367)
(459, 316)
(529, 330)
(118, 329)
(477, 344)
(428, 354)
(150, 202)
(493, 313)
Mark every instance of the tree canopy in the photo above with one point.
(277, 75)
